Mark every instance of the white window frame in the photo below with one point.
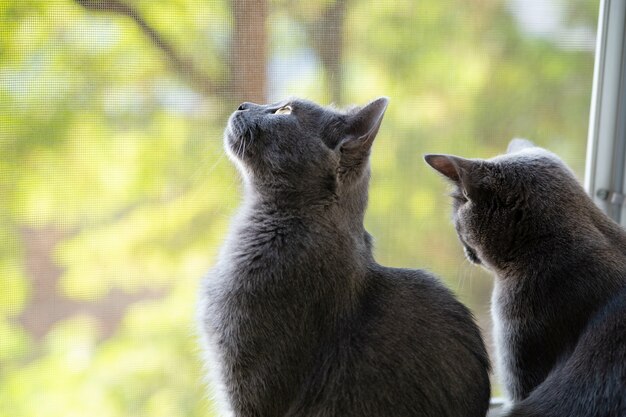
(605, 171)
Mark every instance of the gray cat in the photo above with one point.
(298, 319)
(559, 301)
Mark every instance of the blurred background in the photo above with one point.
(115, 193)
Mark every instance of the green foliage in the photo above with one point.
(116, 193)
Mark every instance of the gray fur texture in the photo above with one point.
(298, 319)
(559, 300)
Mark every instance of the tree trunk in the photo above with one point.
(326, 36)
(249, 50)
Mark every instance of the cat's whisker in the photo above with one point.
(189, 184)
(459, 277)
(240, 147)
(468, 269)
(464, 274)
(201, 173)
(203, 169)
(226, 188)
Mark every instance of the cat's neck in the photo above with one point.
(336, 217)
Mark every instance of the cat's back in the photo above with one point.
(430, 310)
(411, 324)
(425, 300)
(595, 373)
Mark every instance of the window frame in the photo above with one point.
(605, 173)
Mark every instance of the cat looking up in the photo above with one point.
(559, 298)
(297, 317)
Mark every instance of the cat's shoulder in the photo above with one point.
(608, 324)
(418, 284)
(403, 275)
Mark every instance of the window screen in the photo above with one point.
(115, 193)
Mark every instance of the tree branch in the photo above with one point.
(182, 65)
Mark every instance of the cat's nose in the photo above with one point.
(244, 106)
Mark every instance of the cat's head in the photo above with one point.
(505, 206)
(296, 148)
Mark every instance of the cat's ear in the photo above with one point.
(469, 175)
(362, 127)
(453, 167)
(518, 144)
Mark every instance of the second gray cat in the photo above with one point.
(298, 319)
(559, 299)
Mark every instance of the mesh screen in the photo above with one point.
(115, 193)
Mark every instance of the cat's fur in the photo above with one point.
(298, 318)
(559, 299)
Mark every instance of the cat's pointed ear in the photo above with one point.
(363, 126)
(453, 167)
(518, 144)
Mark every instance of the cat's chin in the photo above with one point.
(237, 133)
(471, 256)
(234, 143)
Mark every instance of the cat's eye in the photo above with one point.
(283, 110)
